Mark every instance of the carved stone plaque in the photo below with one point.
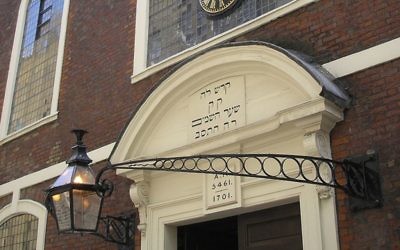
(217, 108)
(220, 190)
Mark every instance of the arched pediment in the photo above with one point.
(237, 98)
(227, 94)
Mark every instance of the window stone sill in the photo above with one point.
(28, 128)
(140, 74)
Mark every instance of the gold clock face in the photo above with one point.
(215, 7)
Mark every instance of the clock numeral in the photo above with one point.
(207, 2)
(213, 4)
(222, 3)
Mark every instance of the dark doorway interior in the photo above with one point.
(276, 228)
(211, 235)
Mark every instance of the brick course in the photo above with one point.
(373, 122)
(328, 29)
(8, 18)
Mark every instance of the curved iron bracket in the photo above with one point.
(120, 230)
(358, 176)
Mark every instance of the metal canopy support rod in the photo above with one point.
(358, 177)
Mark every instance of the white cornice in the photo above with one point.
(365, 59)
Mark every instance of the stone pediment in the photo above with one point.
(249, 88)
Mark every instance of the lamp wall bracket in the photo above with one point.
(120, 230)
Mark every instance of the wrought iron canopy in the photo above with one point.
(72, 198)
(357, 176)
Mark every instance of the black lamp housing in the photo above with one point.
(73, 198)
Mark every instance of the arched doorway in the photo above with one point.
(238, 98)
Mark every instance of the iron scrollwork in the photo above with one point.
(120, 230)
(357, 178)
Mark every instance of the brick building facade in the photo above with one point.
(104, 88)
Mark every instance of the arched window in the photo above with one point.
(23, 225)
(19, 232)
(35, 68)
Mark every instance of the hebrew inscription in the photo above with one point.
(217, 108)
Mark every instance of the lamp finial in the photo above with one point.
(79, 133)
(79, 154)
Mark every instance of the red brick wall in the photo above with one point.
(373, 122)
(5, 200)
(8, 18)
(328, 29)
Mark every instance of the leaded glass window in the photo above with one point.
(176, 25)
(19, 232)
(33, 89)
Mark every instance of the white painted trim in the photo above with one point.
(141, 71)
(311, 231)
(53, 171)
(162, 218)
(141, 35)
(13, 71)
(29, 128)
(60, 57)
(13, 68)
(365, 59)
(28, 207)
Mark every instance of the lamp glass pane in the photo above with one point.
(63, 212)
(64, 178)
(86, 209)
(83, 175)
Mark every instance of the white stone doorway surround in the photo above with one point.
(275, 99)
